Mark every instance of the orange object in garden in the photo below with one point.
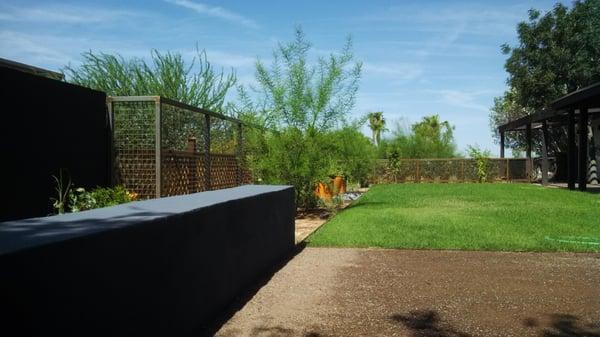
(339, 185)
(322, 191)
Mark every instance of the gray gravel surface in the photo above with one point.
(377, 292)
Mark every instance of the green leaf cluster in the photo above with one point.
(297, 92)
(81, 200)
(482, 158)
(429, 138)
(166, 74)
(558, 52)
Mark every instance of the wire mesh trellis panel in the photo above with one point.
(440, 170)
(134, 146)
(449, 170)
(164, 147)
(224, 171)
(183, 140)
(396, 171)
(223, 138)
(517, 168)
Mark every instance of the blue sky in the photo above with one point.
(420, 57)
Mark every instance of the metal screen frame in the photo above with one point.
(206, 161)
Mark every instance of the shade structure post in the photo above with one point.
(545, 153)
(502, 144)
(572, 151)
(583, 148)
(528, 162)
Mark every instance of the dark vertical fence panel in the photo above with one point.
(47, 125)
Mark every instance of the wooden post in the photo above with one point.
(544, 153)
(507, 169)
(572, 149)
(191, 144)
(418, 176)
(157, 149)
(207, 171)
(583, 148)
(502, 144)
(528, 163)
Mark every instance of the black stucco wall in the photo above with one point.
(159, 267)
(47, 125)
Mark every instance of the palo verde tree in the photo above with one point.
(302, 99)
(558, 52)
(168, 75)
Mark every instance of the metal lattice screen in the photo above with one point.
(134, 146)
(164, 148)
(449, 170)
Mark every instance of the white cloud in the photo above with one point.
(20, 47)
(64, 14)
(397, 71)
(471, 18)
(232, 60)
(215, 11)
(55, 51)
(463, 98)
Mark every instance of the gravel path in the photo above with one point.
(375, 292)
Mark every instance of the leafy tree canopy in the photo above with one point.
(428, 138)
(558, 52)
(293, 92)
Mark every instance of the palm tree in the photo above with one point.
(377, 125)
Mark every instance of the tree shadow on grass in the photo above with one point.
(427, 323)
(377, 204)
(563, 325)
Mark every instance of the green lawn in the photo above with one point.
(515, 217)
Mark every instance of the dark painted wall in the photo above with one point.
(159, 267)
(47, 125)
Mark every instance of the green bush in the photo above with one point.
(429, 138)
(354, 155)
(81, 200)
(292, 157)
(78, 199)
(481, 157)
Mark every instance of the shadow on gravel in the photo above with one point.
(427, 323)
(212, 327)
(279, 332)
(562, 325)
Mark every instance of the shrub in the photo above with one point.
(75, 200)
(81, 200)
(354, 155)
(481, 157)
(292, 157)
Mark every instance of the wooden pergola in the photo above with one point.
(574, 109)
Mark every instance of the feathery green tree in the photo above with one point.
(168, 75)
